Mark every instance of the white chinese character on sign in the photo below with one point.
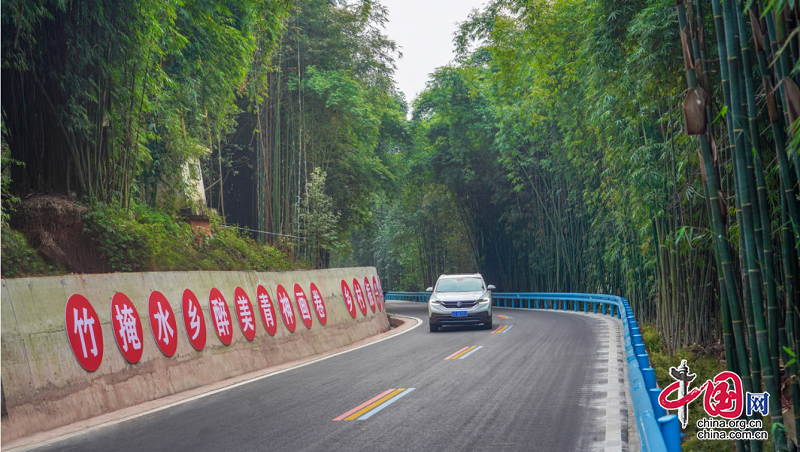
(245, 313)
(286, 307)
(221, 317)
(358, 292)
(263, 300)
(127, 328)
(194, 320)
(163, 325)
(82, 326)
(318, 304)
(349, 300)
(303, 305)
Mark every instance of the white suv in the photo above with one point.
(460, 300)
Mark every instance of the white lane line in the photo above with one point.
(387, 403)
(613, 422)
(206, 394)
(471, 352)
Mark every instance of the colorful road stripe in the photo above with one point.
(503, 329)
(464, 352)
(474, 349)
(374, 405)
(382, 406)
(505, 317)
(454, 354)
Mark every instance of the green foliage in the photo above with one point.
(147, 239)
(20, 259)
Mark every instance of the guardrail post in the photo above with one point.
(644, 362)
(564, 305)
(585, 306)
(529, 303)
(638, 349)
(637, 340)
(649, 375)
(670, 430)
(604, 309)
(594, 306)
(658, 410)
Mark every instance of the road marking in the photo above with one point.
(460, 354)
(503, 329)
(69, 435)
(498, 329)
(505, 317)
(363, 405)
(507, 328)
(449, 357)
(373, 405)
(474, 349)
(391, 401)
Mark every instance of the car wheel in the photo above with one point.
(434, 328)
(487, 326)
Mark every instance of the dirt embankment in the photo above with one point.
(53, 225)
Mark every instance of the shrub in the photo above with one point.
(20, 259)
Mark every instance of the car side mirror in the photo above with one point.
(429, 289)
(491, 287)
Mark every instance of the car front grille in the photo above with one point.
(454, 304)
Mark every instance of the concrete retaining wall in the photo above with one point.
(45, 387)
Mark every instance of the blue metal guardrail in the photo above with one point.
(658, 431)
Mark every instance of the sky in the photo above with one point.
(423, 29)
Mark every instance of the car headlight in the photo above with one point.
(435, 301)
(485, 300)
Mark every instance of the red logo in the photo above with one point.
(162, 323)
(287, 311)
(194, 320)
(302, 305)
(376, 287)
(724, 396)
(267, 310)
(348, 299)
(319, 305)
(370, 296)
(84, 332)
(127, 327)
(362, 305)
(244, 312)
(220, 316)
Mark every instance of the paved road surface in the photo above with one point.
(543, 385)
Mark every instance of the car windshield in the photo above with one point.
(460, 285)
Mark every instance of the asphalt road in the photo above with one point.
(544, 385)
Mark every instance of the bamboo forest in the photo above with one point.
(642, 148)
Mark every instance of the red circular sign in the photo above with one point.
(194, 320)
(302, 305)
(319, 305)
(162, 323)
(370, 295)
(285, 306)
(127, 327)
(244, 312)
(267, 310)
(220, 316)
(362, 305)
(376, 287)
(348, 299)
(84, 332)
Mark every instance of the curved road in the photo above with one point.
(549, 383)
